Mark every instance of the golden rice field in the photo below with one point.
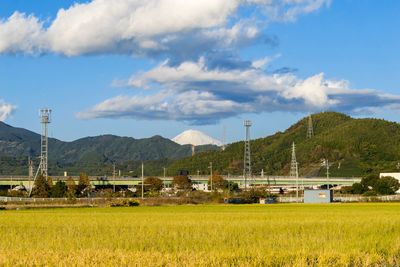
(214, 235)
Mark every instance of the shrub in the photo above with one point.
(182, 182)
(124, 203)
(254, 195)
(369, 193)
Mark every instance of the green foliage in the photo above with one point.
(371, 185)
(254, 195)
(369, 193)
(41, 188)
(387, 186)
(217, 182)
(182, 182)
(153, 184)
(84, 185)
(60, 189)
(71, 187)
(123, 203)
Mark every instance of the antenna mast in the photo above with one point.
(247, 160)
(310, 131)
(45, 119)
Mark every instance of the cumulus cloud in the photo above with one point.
(21, 33)
(145, 28)
(194, 92)
(6, 110)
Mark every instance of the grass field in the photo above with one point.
(219, 235)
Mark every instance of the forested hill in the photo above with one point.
(18, 142)
(353, 147)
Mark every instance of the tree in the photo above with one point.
(357, 188)
(387, 185)
(41, 188)
(217, 182)
(368, 182)
(153, 184)
(83, 184)
(50, 182)
(71, 186)
(59, 189)
(182, 182)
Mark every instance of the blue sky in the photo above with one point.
(141, 68)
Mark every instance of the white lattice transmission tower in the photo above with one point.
(310, 130)
(294, 171)
(293, 164)
(45, 119)
(247, 160)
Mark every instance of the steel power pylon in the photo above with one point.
(294, 171)
(310, 130)
(247, 159)
(45, 119)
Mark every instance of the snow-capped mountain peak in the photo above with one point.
(194, 137)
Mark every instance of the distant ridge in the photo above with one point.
(194, 137)
(19, 142)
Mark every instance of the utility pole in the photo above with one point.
(164, 171)
(327, 173)
(325, 162)
(297, 182)
(114, 177)
(246, 159)
(30, 171)
(142, 180)
(211, 178)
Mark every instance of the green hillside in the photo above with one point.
(353, 147)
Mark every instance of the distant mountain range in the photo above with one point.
(22, 143)
(354, 147)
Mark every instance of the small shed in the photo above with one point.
(318, 196)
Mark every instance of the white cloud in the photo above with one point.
(193, 92)
(6, 110)
(142, 28)
(21, 33)
(289, 10)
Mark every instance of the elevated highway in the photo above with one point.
(131, 181)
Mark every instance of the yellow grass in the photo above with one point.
(220, 235)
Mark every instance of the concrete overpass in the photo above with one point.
(14, 180)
